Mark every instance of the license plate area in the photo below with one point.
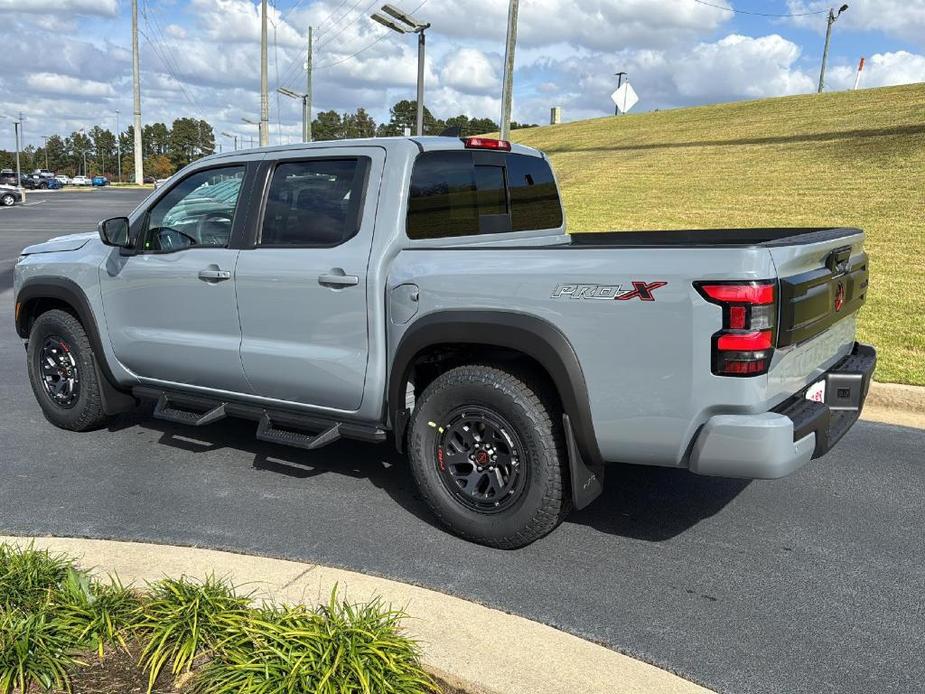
(840, 391)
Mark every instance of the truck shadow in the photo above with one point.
(643, 503)
(654, 503)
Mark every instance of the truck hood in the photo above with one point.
(71, 242)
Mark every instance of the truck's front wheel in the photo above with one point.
(488, 456)
(62, 372)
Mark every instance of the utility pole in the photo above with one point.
(307, 102)
(118, 148)
(620, 76)
(828, 37)
(264, 128)
(233, 137)
(409, 25)
(45, 139)
(17, 129)
(136, 90)
(507, 88)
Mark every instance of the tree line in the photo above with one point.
(169, 148)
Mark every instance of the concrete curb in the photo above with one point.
(452, 632)
(896, 404)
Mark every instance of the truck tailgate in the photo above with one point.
(823, 282)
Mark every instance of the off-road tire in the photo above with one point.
(535, 417)
(87, 412)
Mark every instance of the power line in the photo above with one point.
(758, 14)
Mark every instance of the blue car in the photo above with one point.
(54, 184)
(100, 181)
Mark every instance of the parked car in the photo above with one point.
(148, 179)
(64, 180)
(425, 290)
(54, 184)
(80, 181)
(9, 195)
(100, 181)
(8, 178)
(33, 182)
(44, 173)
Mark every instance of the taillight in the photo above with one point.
(745, 345)
(486, 143)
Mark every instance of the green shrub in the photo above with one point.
(34, 651)
(30, 578)
(336, 649)
(183, 620)
(95, 614)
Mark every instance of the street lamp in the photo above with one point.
(233, 137)
(828, 37)
(17, 124)
(306, 115)
(118, 147)
(407, 24)
(251, 122)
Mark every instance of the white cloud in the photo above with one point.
(741, 66)
(51, 83)
(902, 18)
(103, 8)
(880, 70)
(471, 71)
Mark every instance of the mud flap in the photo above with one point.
(587, 480)
(114, 401)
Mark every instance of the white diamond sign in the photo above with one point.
(625, 97)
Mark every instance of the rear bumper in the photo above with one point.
(776, 443)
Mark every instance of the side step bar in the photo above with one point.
(280, 426)
(164, 410)
(266, 432)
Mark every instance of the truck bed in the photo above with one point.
(723, 238)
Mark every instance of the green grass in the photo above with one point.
(850, 158)
(54, 617)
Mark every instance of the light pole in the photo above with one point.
(306, 123)
(507, 87)
(45, 140)
(828, 37)
(16, 125)
(259, 129)
(233, 137)
(264, 126)
(620, 76)
(409, 25)
(118, 148)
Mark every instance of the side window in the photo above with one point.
(197, 212)
(535, 200)
(314, 202)
(459, 193)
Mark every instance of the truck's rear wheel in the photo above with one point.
(488, 456)
(62, 372)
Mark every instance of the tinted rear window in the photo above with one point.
(462, 193)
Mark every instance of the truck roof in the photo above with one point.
(426, 143)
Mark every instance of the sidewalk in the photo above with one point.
(465, 643)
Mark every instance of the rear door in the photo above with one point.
(302, 286)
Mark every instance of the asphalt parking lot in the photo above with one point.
(815, 583)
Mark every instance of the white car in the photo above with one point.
(81, 181)
(64, 179)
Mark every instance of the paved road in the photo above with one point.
(813, 584)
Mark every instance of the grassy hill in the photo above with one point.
(850, 158)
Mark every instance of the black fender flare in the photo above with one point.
(535, 337)
(115, 398)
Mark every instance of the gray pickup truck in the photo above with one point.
(425, 290)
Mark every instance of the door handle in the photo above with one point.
(338, 278)
(214, 275)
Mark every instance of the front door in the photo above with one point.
(302, 290)
(170, 307)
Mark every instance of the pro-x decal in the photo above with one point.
(608, 292)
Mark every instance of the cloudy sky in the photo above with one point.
(67, 63)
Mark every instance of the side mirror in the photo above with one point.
(115, 232)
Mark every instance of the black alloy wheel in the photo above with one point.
(59, 371)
